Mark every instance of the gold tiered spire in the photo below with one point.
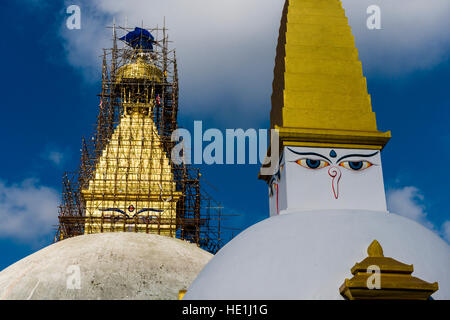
(133, 184)
(320, 95)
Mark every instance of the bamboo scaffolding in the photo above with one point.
(149, 175)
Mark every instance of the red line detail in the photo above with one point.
(278, 209)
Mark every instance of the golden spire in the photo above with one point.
(320, 95)
(133, 187)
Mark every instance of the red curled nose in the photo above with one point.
(335, 174)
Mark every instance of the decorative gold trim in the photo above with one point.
(333, 138)
(181, 294)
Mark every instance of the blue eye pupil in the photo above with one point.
(313, 164)
(356, 165)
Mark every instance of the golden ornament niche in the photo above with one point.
(394, 279)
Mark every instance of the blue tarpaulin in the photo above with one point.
(139, 38)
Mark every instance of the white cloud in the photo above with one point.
(229, 46)
(414, 35)
(408, 202)
(55, 157)
(28, 211)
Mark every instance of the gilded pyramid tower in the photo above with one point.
(134, 176)
(320, 96)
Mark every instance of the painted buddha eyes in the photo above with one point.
(319, 164)
(356, 165)
(312, 164)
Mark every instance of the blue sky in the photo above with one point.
(51, 79)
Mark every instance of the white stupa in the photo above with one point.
(105, 266)
(326, 194)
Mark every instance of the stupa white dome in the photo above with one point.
(308, 255)
(110, 265)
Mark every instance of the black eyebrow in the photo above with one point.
(281, 159)
(309, 154)
(358, 155)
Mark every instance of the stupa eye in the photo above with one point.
(312, 164)
(356, 165)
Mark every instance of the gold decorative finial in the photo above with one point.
(394, 278)
(375, 249)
